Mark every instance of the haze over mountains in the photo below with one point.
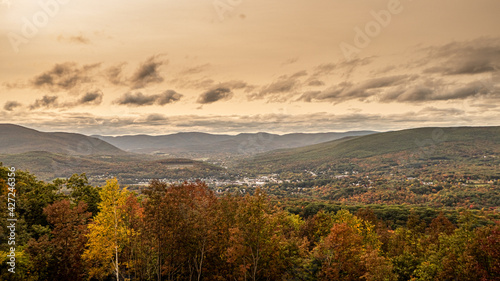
(50, 155)
(17, 139)
(209, 144)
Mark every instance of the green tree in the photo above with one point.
(81, 190)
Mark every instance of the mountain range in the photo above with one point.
(455, 148)
(468, 150)
(204, 145)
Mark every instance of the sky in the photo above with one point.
(232, 66)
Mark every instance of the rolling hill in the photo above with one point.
(16, 139)
(52, 155)
(462, 146)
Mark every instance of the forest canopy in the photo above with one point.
(71, 230)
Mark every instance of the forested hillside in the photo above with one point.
(16, 139)
(447, 149)
(70, 230)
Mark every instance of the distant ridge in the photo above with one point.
(16, 139)
(203, 144)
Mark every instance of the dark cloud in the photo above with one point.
(136, 99)
(65, 76)
(215, 95)
(11, 105)
(471, 57)
(139, 99)
(169, 96)
(147, 73)
(45, 102)
(91, 98)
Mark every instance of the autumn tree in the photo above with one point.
(181, 220)
(58, 256)
(264, 240)
(351, 251)
(108, 233)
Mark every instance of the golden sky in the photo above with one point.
(230, 66)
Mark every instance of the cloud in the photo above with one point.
(136, 99)
(11, 105)
(147, 73)
(195, 69)
(215, 95)
(281, 89)
(316, 83)
(466, 58)
(91, 98)
(169, 96)
(235, 85)
(298, 74)
(45, 102)
(206, 83)
(64, 76)
(272, 122)
(139, 99)
(439, 91)
(80, 39)
(441, 112)
(348, 91)
(202, 83)
(154, 118)
(114, 74)
(324, 69)
(290, 61)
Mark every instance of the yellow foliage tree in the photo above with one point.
(108, 233)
